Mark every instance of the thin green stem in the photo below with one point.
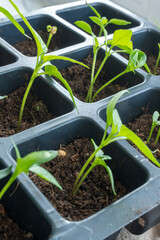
(82, 179)
(157, 63)
(85, 166)
(109, 82)
(92, 75)
(25, 98)
(150, 134)
(10, 181)
(157, 138)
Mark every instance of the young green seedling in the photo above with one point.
(121, 39)
(31, 162)
(118, 132)
(43, 60)
(155, 123)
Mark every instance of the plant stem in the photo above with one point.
(10, 181)
(157, 63)
(150, 134)
(82, 179)
(84, 167)
(157, 138)
(25, 98)
(110, 81)
(92, 75)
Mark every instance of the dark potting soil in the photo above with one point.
(94, 194)
(79, 77)
(35, 112)
(9, 230)
(141, 126)
(28, 47)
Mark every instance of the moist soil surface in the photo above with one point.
(35, 112)
(79, 77)
(28, 47)
(141, 126)
(9, 230)
(94, 194)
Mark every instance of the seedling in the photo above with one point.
(121, 39)
(155, 123)
(31, 162)
(118, 132)
(43, 60)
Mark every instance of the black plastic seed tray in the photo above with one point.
(28, 205)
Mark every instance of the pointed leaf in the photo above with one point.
(84, 26)
(52, 70)
(96, 20)
(117, 21)
(41, 47)
(43, 173)
(117, 123)
(11, 18)
(53, 57)
(26, 162)
(138, 142)
(137, 59)
(122, 39)
(111, 106)
(94, 10)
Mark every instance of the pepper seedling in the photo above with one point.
(118, 132)
(31, 162)
(43, 60)
(155, 123)
(121, 39)
(158, 58)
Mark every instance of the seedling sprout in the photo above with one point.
(155, 123)
(118, 132)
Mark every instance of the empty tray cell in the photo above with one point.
(136, 112)
(83, 12)
(74, 138)
(79, 77)
(6, 57)
(64, 37)
(43, 103)
(24, 211)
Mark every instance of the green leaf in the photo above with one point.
(137, 59)
(104, 21)
(2, 97)
(26, 162)
(122, 39)
(41, 46)
(44, 174)
(84, 26)
(52, 70)
(147, 68)
(111, 106)
(5, 172)
(96, 20)
(118, 22)
(94, 10)
(109, 171)
(53, 57)
(117, 123)
(11, 18)
(138, 142)
(155, 116)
